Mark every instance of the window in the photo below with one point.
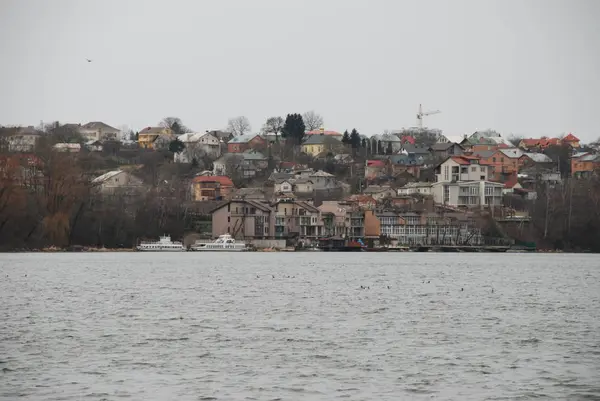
(446, 173)
(473, 169)
(494, 159)
(482, 169)
(482, 177)
(228, 219)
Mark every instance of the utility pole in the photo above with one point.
(547, 208)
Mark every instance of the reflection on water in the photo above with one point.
(312, 326)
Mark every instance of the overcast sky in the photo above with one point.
(521, 67)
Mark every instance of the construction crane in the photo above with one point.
(421, 114)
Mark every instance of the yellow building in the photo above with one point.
(148, 136)
(317, 143)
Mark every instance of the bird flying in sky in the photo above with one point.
(88, 60)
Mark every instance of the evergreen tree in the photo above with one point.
(176, 146)
(294, 129)
(355, 139)
(346, 138)
(389, 150)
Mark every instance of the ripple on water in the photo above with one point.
(299, 326)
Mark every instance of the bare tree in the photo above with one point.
(175, 124)
(274, 125)
(239, 125)
(515, 140)
(312, 120)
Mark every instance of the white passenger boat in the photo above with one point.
(164, 244)
(225, 243)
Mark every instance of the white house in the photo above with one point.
(423, 188)
(116, 181)
(284, 186)
(462, 182)
(23, 139)
(198, 145)
(99, 131)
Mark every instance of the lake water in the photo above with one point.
(298, 326)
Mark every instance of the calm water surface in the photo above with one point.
(298, 326)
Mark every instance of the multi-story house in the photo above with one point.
(441, 150)
(297, 219)
(99, 131)
(585, 165)
(22, 139)
(502, 163)
(198, 145)
(410, 228)
(336, 218)
(211, 187)
(243, 219)
(117, 182)
(240, 144)
(461, 181)
(147, 138)
(316, 145)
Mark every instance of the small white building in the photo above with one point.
(423, 188)
(198, 145)
(116, 181)
(99, 131)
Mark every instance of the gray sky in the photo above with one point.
(525, 67)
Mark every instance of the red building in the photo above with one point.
(241, 143)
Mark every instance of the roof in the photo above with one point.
(460, 160)
(257, 204)
(375, 163)
(99, 125)
(300, 181)
(415, 149)
(590, 158)
(321, 173)
(281, 176)
(373, 189)
(408, 138)
(484, 154)
(152, 130)
(539, 157)
(328, 133)
(320, 140)
(252, 154)
(308, 206)
(221, 179)
(441, 146)
(454, 138)
(513, 153)
(243, 138)
(106, 176)
(570, 138)
(541, 142)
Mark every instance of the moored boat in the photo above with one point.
(225, 243)
(164, 244)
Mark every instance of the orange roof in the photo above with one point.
(570, 138)
(541, 142)
(221, 179)
(462, 159)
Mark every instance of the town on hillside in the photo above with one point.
(295, 184)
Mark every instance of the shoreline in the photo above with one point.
(128, 250)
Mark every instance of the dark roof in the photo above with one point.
(99, 125)
(443, 146)
(321, 140)
(415, 149)
(255, 203)
(484, 154)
